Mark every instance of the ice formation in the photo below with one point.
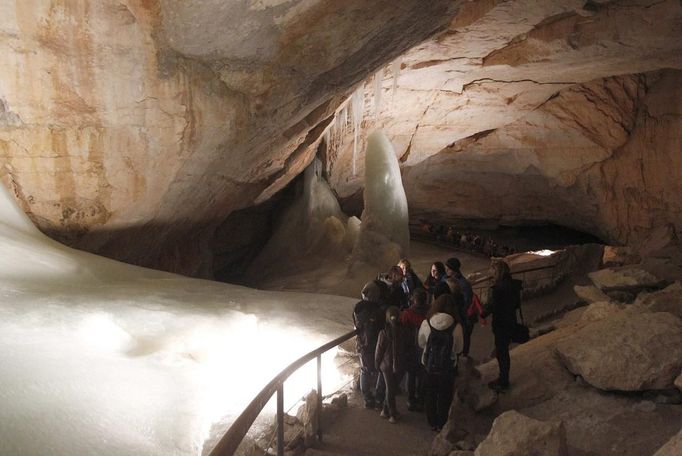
(103, 358)
(357, 104)
(384, 235)
(312, 230)
(378, 80)
(395, 70)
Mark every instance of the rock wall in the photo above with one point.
(562, 118)
(132, 128)
(601, 157)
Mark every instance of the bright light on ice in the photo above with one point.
(102, 358)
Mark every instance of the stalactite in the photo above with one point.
(395, 71)
(357, 103)
(378, 79)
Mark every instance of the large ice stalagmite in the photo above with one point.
(311, 231)
(384, 235)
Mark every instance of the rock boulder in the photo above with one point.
(514, 434)
(629, 351)
(672, 448)
(666, 300)
(624, 278)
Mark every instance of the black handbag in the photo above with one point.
(520, 334)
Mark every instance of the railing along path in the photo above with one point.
(229, 443)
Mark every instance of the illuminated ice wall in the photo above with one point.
(99, 357)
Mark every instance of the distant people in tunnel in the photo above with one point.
(391, 355)
(368, 319)
(438, 338)
(504, 300)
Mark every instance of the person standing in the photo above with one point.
(368, 319)
(412, 319)
(504, 299)
(452, 269)
(436, 276)
(396, 294)
(438, 338)
(410, 279)
(390, 356)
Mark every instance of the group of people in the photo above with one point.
(418, 329)
(467, 241)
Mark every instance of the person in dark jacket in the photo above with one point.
(391, 357)
(368, 319)
(396, 294)
(441, 322)
(436, 276)
(411, 281)
(452, 269)
(412, 319)
(504, 300)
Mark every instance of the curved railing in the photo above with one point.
(476, 284)
(229, 443)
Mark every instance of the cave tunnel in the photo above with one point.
(194, 194)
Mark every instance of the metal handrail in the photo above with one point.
(234, 436)
(522, 271)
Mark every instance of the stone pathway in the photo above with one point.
(356, 431)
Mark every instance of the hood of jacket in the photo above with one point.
(441, 321)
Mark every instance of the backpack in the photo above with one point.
(368, 323)
(438, 351)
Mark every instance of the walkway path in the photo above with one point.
(357, 431)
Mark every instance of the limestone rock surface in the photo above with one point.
(667, 300)
(134, 128)
(624, 278)
(599, 311)
(589, 293)
(629, 351)
(514, 434)
(672, 448)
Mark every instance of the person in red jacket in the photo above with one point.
(412, 319)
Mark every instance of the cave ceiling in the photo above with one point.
(134, 128)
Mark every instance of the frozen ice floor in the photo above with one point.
(102, 358)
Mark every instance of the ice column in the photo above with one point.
(378, 79)
(357, 105)
(384, 235)
(395, 70)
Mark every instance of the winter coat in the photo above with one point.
(368, 319)
(397, 297)
(504, 299)
(411, 282)
(392, 353)
(441, 321)
(467, 292)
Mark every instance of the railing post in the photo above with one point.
(319, 397)
(280, 419)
